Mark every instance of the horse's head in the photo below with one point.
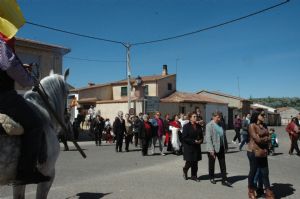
(56, 90)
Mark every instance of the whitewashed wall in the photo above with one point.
(287, 115)
(110, 110)
(210, 108)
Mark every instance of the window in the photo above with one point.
(181, 109)
(124, 91)
(146, 90)
(169, 86)
(27, 58)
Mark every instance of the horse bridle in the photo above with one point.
(41, 91)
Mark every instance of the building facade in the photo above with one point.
(272, 118)
(286, 114)
(46, 57)
(181, 102)
(236, 105)
(113, 97)
(148, 94)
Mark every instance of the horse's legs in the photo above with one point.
(43, 188)
(19, 191)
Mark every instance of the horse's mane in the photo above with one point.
(55, 87)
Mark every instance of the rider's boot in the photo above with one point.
(27, 166)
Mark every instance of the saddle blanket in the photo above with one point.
(10, 126)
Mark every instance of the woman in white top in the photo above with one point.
(175, 127)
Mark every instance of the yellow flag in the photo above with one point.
(11, 17)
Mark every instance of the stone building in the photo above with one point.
(148, 94)
(45, 56)
(111, 97)
(272, 116)
(236, 105)
(286, 114)
(181, 102)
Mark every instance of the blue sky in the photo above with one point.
(263, 51)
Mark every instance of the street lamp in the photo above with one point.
(128, 74)
(138, 81)
(139, 90)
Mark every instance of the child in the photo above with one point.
(274, 141)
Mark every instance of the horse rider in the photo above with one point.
(16, 107)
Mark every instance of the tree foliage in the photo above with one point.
(279, 102)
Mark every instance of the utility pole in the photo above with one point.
(128, 74)
(177, 59)
(238, 79)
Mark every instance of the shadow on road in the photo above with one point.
(283, 190)
(205, 152)
(276, 154)
(206, 177)
(87, 195)
(231, 147)
(157, 154)
(134, 150)
(74, 150)
(234, 179)
(232, 152)
(231, 179)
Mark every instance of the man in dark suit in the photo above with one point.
(119, 130)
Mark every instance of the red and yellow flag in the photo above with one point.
(11, 18)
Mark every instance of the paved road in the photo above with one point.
(107, 174)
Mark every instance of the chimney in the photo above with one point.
(165, 70)
(91, 84)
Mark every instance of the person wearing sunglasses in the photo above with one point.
(259, 140)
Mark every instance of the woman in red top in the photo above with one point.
(146, 134)
(293, 130)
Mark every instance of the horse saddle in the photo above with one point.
(9, 126)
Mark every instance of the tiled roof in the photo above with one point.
(190, 97)
(122, 100)
(144, 79)
(281, 109)
(222, 94)
(69, 86)
(88, 100)
(64, 50)
(89, 87)
(124, 81)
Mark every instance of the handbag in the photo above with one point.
(260, 153)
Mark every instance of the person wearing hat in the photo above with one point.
(14, 105)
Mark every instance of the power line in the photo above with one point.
(95, 60)
(76, 34)
(210, 27)
(163, 39)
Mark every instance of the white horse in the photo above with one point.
(56, 89)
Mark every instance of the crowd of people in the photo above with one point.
(182, 134)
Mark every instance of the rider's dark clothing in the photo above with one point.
(6, 83)
(15, 106)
